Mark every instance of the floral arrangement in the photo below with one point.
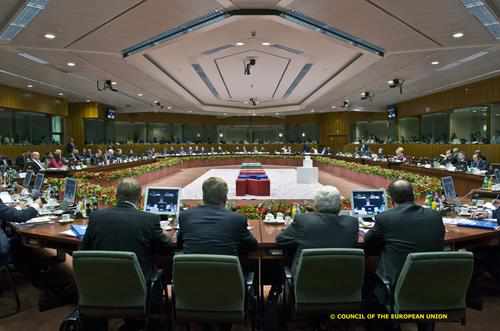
(421, 184)
(100, 186)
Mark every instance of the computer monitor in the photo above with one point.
(368, 202)
(27, 179)
(69, 191)
(449, 188)
(497, 176)
(162, 200)
(37, 186)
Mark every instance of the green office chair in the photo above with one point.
(111, 285)
(327, 280)
(212, 289)
(434, 282)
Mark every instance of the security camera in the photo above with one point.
(249, 62)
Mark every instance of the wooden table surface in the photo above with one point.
(49, 235)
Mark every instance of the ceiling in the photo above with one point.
(203, 71)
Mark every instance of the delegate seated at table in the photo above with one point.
(211, 228)
(323, 228)
(404, 229)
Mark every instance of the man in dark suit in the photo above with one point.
(211, 228)
(124, 228)
(407, 228)
(35, 163)
(321, 229)
(10, 214)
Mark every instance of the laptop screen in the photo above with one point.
(27, 179)
(69, 191)
(38, 182)
(162, 200)
(368, 202)
(449, 188)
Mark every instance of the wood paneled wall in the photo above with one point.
(17, 99)
(335, 127)
(483, 92)
(216, 120)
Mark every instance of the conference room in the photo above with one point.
(249, 165)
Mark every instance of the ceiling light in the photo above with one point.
(88, 100)
(365, 95)
(32, 58)
(333, 107)
(29, 86)
(239, 43)
(486, 14)
(156, 102)
(266, 43)
(140, 94)
(60, 94)
(114, 83)
(312, 110)
(457, 35)
(435, 63)
(23, 17)
(169, 107)
(225, 114)
(71, 64)
(50, 36)
(356, 109)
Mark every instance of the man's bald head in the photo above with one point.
(401, 191)
(128, 190)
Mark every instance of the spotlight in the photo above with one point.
(366, 95)
(396, 82)
(346, 103)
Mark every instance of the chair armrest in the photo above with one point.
(388, 291)
(288, 276)
(249, 279)
(157, 276)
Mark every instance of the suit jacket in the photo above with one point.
(124, 228)
(9, 214)
(479, 164)
(319, 230)
(408, 228)
(35, 165)
(210, 229)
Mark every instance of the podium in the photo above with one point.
(307, 174)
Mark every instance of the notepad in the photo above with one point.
(483, 224)
(78, 230)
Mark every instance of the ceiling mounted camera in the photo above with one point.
(248, 63)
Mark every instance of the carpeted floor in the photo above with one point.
(30, 319)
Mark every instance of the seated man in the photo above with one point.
(478, 162)
(321, 229)
(10, 214)
(124, 228)
(35, 164)
(211, 228)
(407, 228)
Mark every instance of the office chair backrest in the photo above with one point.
(109, 282)
(434, 281)
(208, 283)
(329, 276)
